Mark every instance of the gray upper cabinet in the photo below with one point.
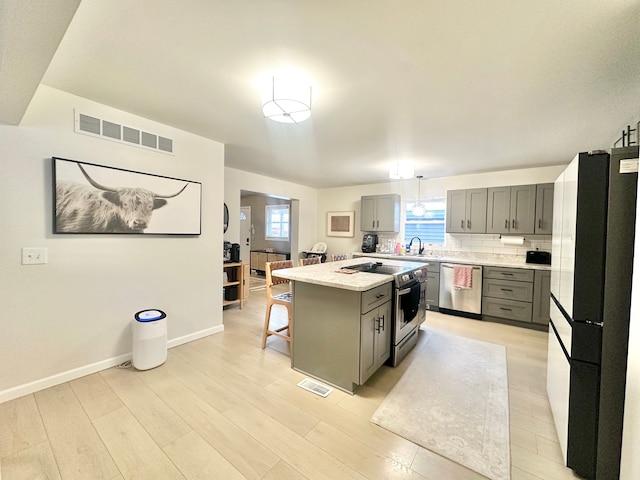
(544, 208)
(511, 209)
(380, 213)
(467, 211)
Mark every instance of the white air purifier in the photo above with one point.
(149, 339)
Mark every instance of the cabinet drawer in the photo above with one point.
(519, 274)
(375, 297)
(508, 289)
(509, 309)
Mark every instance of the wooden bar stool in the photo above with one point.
(309, 261)
(285, 298)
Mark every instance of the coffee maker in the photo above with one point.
(369, 242)
(231, 252)
(226, 256)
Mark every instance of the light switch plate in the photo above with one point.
(34, 255)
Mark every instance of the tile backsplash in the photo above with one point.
(490, 243)
(484, 246)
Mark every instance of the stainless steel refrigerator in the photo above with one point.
(591, 272)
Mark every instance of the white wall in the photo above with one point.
(72, 316)
(348, 199)
(303, 237)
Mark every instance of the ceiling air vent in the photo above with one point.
(111, 130)
(149, 140)
(89, 125)
(165, 144)
(131, 135)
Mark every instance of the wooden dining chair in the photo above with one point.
(284, 298)
(341, 256)
(309, 261)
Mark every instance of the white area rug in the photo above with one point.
(454, 400)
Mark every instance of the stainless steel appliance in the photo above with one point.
(369, 242)
(591, 275)
(409, 304)
(465, 301)
(226, 252)
(538, 257)
(235, 252)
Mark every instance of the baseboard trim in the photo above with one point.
(53, 380)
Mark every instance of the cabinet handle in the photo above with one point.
(506, 224)
(373, 224)
(506, 290)
(539, 223)
(382, 323)
(507, 273)
(461, 223)
(377, 223)
(377, 328)
(380, 295)
(513, 223)
(468, 223)
(504, 308)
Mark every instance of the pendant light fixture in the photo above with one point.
(418, 208)
(288, 100)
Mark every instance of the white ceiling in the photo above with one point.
(458, 86)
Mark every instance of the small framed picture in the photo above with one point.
(340, 224)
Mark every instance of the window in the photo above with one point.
(277, 222)
(430, 226)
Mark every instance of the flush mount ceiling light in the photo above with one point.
(287, 101)
(401, 170)
(418, 208)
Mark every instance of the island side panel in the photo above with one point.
(326, 334)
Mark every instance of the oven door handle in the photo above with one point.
(407, 290)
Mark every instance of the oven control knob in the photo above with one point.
(405, 278)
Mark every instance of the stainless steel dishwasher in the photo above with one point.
(460, 301)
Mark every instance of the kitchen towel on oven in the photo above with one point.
(462, 276)
(410, 303)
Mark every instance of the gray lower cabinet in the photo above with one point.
(375, 343)
(432, 293)
(340, 336)
(508, 293)
(541, 297)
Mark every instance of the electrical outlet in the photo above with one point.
(34, 255)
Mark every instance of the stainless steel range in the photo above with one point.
(409, 304)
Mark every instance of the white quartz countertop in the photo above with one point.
(468, 259)
(328, 274)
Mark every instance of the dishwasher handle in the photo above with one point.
(451, 265)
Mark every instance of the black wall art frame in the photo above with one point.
(96, 199)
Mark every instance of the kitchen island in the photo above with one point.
(341, 327)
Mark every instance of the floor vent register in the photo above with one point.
(315, 387)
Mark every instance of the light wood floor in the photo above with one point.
(222, 408)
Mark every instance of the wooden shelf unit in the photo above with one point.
(236, 277)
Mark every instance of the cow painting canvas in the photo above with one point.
(90, 198)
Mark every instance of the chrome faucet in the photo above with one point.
(420, 247)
